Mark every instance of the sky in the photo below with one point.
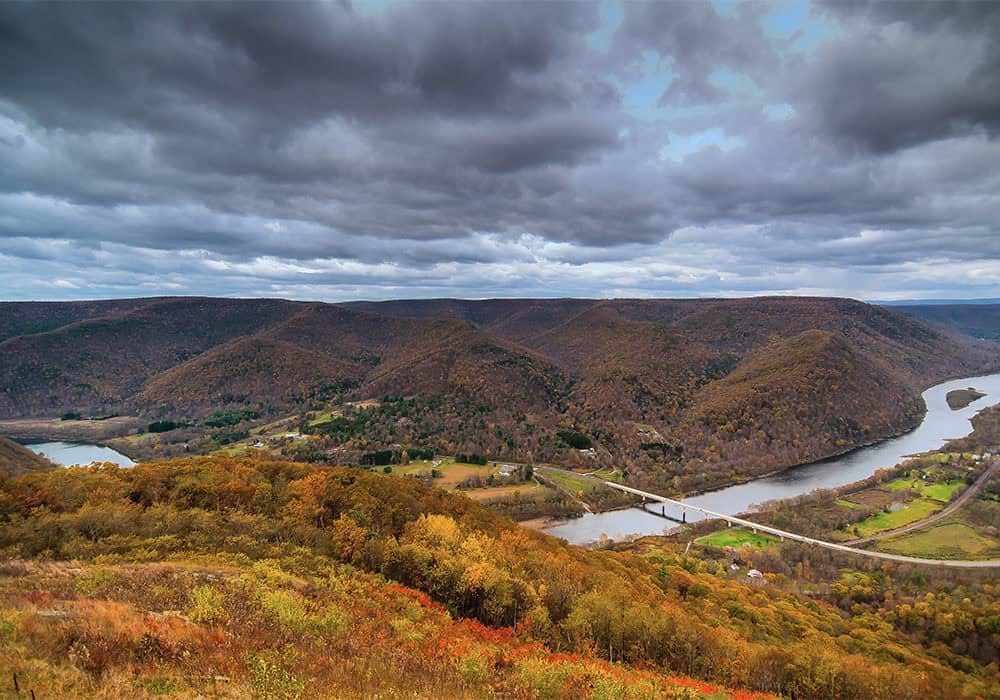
(372, 150)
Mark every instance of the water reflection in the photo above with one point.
(68, 454)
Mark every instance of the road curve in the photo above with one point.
(953, 563)
(973, 489)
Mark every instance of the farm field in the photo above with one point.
(490, 493)
(452, 473)
(933, 491)
(577, 483)
(736, 537)
(952, 538)
(911, 513)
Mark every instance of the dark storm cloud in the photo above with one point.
(329, 150)
(910, 72)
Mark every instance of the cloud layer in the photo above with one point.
(330, 151)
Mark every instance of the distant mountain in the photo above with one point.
(16, 460)
(101, 362)
(977, 320)
(938, 302)
(689, 393)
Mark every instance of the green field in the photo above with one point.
(914, 511)
(736, 537)
(846, 504)
(936, 492)
(324, 417)
(452, 473)
(609, 475)
(951, 539)
(576, 483)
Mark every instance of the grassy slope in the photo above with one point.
(220, 628)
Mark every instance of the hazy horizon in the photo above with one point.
(878, 302)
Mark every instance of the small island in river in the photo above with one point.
(960, 398)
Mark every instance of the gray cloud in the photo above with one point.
(320, 150)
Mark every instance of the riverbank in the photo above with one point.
(46, 429)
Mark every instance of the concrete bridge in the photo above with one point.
(783, 535)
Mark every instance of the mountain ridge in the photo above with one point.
(504, 377)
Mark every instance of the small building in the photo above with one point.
(508, 469)
(754, 573)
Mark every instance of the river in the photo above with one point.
(939, 425)
(68, 454)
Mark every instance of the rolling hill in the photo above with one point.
(682, 393)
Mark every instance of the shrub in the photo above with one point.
(578, 441)
(206, 606)
(286, 610)
(271, 682)
(96, 580)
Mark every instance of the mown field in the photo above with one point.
(736, 537)
(951, 538)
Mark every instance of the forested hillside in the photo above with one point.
(685, 394)
(262, 578)
(653, 386)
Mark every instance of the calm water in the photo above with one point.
(940, 424)
(68, 454)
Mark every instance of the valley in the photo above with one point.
(681, 395)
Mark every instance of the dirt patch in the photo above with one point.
(875, 499)
(500, 491)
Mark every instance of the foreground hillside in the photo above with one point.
(679, 394)
(218, 575)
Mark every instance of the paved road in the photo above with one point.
(756, 527)
(973, 489)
